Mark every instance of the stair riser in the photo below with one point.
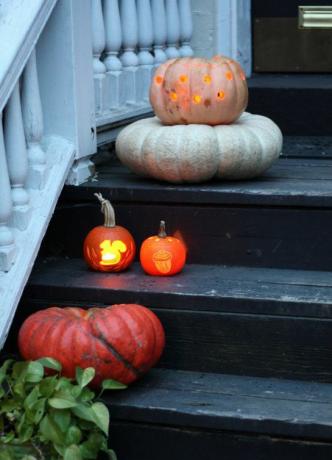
(285, 106)
(245, 236)
(133, 441)
(256, 345)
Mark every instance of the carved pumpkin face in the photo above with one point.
(162, 255)
(196, 90)
(109, 247)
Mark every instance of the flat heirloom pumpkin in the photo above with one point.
(121, 342)
(196, 90)
(196, 153)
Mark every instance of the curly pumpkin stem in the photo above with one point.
(162, 229)
(107, 210)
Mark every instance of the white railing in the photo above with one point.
(46, 130)
(130, 38)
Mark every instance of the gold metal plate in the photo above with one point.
(315, 17)
(280, 46)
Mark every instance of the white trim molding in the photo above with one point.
(233, 31)
(223, 27)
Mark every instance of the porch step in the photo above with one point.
(247, 321)
(281, 220)
(195, 416)
(299, 104)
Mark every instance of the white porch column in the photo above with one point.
(113, 64)
(173, 29)
(145, 58)
(33, 124)
(7, 246)
(186, 27)
(159, 30)
(69, 109)
(98, 46)
(17, 159)
(129, 58)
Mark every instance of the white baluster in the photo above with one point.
(7, 247)
(145, 40)
(98, 46)
(129, 59)
(17, 159)
(113, 45)
(173, 29)
(186, 27)
(33, 124)
(159, 30)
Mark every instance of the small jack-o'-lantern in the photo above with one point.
(162, 255)
(108, 247)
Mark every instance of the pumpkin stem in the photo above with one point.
(162, 231)
(107, 210)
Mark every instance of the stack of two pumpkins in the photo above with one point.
(201, 130)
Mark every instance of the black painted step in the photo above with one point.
(195, 416)
(280, 220)
(299, 104)
(248, 321)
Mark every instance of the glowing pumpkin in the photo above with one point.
(197, 90)
(121, 342)
(108, 247)
(162, 255)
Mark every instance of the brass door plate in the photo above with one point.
(315, 17)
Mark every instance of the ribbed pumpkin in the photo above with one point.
(197, 153)
(196, 90)
(121, 342)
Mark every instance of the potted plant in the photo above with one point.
(45, 416)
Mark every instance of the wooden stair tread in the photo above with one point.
(290, 182)
(248, 290)
(226, 402)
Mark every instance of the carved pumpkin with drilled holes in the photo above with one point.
(162, 255)
(121, 342)
(108, 247)
(196, 90)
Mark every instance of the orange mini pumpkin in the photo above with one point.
(162, 255)
(108, 247)
(196, 90)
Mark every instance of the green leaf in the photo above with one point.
(73, 435)
(4, 368)
(35, 372)
(31, 398)
(86, 395)
(72, 453)
(39, 410)
(62, 400)
(50, 363)
(94, 444)
(84, 412)
(62, 418)
(47, 386)
(51, 431)
(101, 416)
(85, 376)
(110, 384)
(20, 369)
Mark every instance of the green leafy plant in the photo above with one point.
(50, 417)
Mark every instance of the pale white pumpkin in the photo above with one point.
(197, 153)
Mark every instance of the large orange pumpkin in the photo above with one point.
(162, 255)
(197, 90)
(108, 247)
(121, 342)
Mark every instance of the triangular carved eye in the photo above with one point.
(220, 95)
